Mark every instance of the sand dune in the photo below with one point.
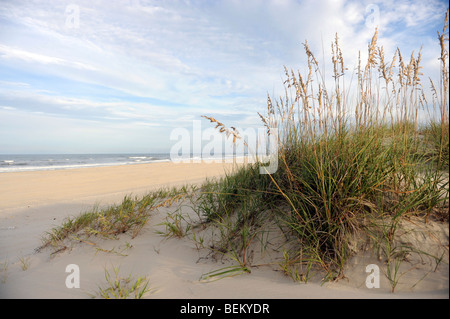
(33, 202)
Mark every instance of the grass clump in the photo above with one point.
(119, 287)
(3, 271)
(131, 215)
(346, 155)
(24, 263)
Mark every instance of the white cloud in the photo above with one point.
(30, 57)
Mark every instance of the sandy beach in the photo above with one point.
(29, 189)
(31, 203)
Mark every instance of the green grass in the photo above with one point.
(118, 287)
(341, 162)
(130, 216)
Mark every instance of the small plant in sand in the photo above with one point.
(118, 287)
(3, 271)
(25, 263)
(175, 223)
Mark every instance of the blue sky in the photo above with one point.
(119, 76)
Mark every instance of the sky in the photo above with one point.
(119, 76)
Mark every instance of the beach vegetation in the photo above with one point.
(3, 271)
(119, 287)
(349, 154)
(25, 262)
(109, 222)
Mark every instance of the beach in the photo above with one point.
(31, 203)
(28, 189)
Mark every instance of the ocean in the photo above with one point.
(40, 162)
(37, 162)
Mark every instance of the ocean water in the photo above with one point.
(39, 162)
(20, 163)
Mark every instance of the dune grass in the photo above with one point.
(342, 160)
(130, 216)
(119, 287)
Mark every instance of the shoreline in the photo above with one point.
(63, 163)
